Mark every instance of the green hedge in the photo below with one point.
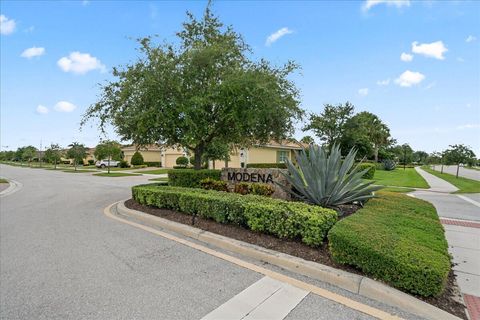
(371, 172)
(191, 178)
(284, 219)
(397, 239)
(267, 165)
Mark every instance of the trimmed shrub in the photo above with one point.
(370, 173)
(284, 219)
(153, 164)
(182, 161)
(91, 162)
(389, 165)
(191, 178)
(211, 184)
(267, 165)
(259, 189)
(137, 159)
(397, 239)
(124, 164)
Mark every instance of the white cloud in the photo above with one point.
(469, 126)
(431, 50)
(368, 4)
(80, 63)
(385, 82)
(363, 91)
(7, 26)
(406, 57)
(409, 78)
(64, 106)
(42, 109)
(33, 52)
(277, 35)
(470, 38)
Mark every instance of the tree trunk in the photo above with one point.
(55, 164)
(375, 153)
(226, 163)
(458, 168)
(441, 170)
(108, 170)
(198, 152)
(75, 164)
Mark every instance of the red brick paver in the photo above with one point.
(473, 306)
(462, 223)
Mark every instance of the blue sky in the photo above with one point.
(414, 64)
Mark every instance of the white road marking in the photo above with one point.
(265, 299)
(475, 203)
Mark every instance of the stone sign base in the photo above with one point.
(269, 176)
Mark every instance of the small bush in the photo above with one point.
(211, 184)
(153, 164)
(124, 164)
(182, 161)
(370, 173)
(137, 159)
(242, 188)
(261, 189)
(397, 239)
(284, 219)
(191, 178)
(267, 165)
(91, 162)
(181, 167)
(389, 165)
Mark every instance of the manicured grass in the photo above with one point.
(156, 171)
(400, 178)
(3, 180)
(78, 171)
(115, 174)
(463, 184)
(398, 189)
(397, 239)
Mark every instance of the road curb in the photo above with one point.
(13, 187)
(352, 282)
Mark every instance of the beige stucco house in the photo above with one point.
(273, 152)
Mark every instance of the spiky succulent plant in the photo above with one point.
(389, 165)
(322, 178)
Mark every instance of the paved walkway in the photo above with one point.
(460, 216)
(462, 172)
(62, 258)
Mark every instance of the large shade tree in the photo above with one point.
(459, 154)
(202, 90)
(77, 152)
(329, 125)
(109, 150)
(53, 154)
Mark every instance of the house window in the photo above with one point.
(282, 156)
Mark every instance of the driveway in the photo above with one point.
(462, 172)
(62, 258)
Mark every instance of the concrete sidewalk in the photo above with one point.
(460, 216)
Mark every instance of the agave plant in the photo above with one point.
(322, 178)
(389, 165)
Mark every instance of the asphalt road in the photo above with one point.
(61, 258)
(462, 172)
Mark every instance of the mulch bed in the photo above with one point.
(446, 301)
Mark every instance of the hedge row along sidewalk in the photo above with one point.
(284, 219)
(397, 239)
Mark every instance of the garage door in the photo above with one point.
(170, 160)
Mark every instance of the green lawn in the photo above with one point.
(400, 178)
(159, 179)
(463, 184)
(115, 174)
(3, 180)
(156, 171)
(78, 171)
(398, 189)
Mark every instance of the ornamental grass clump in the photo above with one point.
(323, 178)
